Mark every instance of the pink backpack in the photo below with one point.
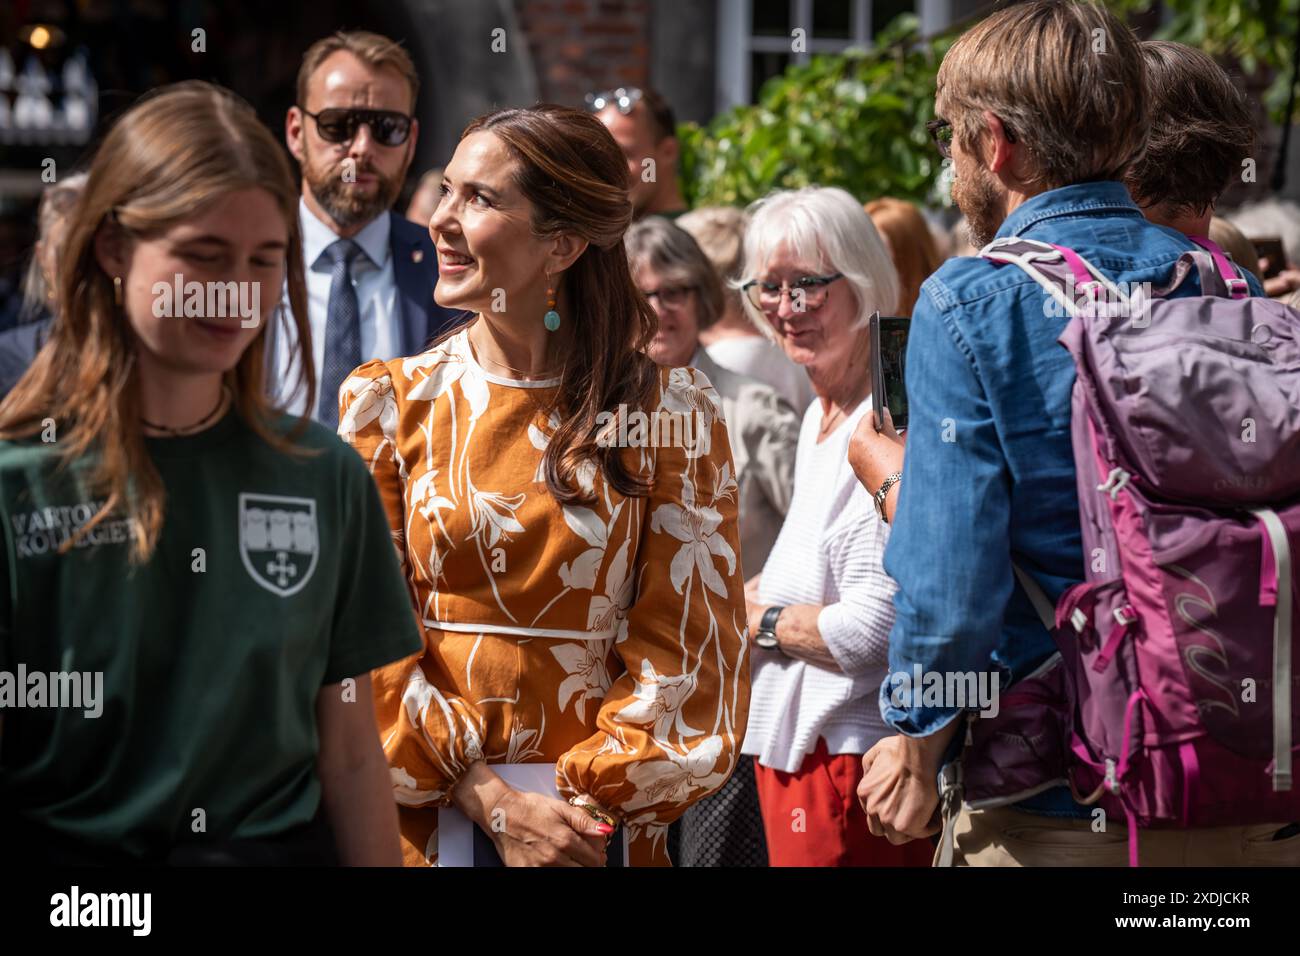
(1170, 701)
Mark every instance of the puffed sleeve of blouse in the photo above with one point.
(430, 737)
(671, 727)
(368, 422)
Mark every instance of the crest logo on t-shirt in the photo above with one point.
(278, 541)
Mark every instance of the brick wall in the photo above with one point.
(578, 46)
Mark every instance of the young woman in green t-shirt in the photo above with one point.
(236, 723)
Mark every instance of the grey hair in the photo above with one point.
(829, 230)
(675, 255)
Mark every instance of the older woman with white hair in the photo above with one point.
(821, 611)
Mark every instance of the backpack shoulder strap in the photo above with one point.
(1060, 270)
(1233, 282)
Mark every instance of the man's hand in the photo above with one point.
(899, 791)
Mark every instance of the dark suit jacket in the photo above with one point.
(18, 346)
(415, 271)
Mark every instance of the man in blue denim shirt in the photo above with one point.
(1040, 143)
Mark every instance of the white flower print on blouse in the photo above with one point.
(588, 678)
(658, 705)
(676, 779)
(696, 527)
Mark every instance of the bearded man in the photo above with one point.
(370, 273)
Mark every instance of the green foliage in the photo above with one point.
(855, 120)
(1247, 34)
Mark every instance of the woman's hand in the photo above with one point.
(875, 455)
(536, 830)
(529, 829)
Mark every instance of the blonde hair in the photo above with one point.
(168, 159)
(1234, 242)
(372, 49)
(826, 226)
(1067, 79)
(911, 244)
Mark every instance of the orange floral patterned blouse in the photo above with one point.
(607, 638)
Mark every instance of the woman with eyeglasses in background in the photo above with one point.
(821, 612)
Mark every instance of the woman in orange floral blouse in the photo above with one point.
(565, 512)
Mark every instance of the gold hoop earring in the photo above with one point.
(117, 290)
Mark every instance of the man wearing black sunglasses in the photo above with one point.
(370, 273)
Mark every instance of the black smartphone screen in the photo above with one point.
(892, 334)
(1270, 248)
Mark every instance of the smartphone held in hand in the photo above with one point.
(888, 357)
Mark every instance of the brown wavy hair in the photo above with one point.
(911, 246)
(1201, 131)
(166, 160)
(575, 176)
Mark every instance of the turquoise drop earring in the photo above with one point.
(552, 318)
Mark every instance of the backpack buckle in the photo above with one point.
(1238, 287)
(1079, 620)
(1114, 483)
(1126, 615)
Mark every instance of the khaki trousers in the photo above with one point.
(1008, 837)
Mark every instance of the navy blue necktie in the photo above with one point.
(342, 330)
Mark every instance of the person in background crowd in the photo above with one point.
(585, 663)
(960, 239)
(226, 568)
(732, 342)
(1039, 154)
(910, 243)
(680, 282)
(370, 272)
(1274, 217)
(1232, 241)
(1200, 132)
(643, 125)
(820, 613)
(425, 198)
(19, 345)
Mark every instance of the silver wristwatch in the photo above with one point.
(880, 496)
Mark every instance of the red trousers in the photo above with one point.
(812, 817)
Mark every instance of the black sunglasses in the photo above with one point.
(339, 125)
(941, 132)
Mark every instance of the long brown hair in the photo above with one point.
(575, 176)
(911, 246)
(166, 160)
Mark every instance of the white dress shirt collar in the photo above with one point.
(317, 236)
